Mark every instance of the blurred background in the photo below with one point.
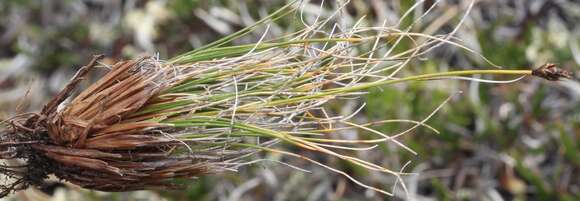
(515, 141)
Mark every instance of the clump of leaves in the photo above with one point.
(149, 121)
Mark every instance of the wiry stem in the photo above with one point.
(553, 74)
(428, 76)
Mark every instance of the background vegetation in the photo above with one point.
(498, 141)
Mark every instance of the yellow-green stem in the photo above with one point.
(410, 78)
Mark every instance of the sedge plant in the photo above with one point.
(148, 121)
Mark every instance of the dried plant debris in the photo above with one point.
(88, 142)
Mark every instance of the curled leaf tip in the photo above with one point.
(551, 72)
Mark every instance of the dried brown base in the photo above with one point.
(88, 144)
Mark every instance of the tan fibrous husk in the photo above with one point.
(87, 143)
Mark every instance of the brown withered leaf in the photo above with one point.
(94, 142)
(120, 92)
(84, 162)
